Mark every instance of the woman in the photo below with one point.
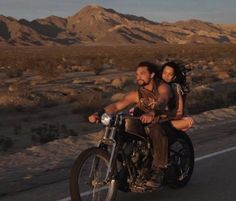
(172, 75)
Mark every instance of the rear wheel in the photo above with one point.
(182, 161)
(87, 178)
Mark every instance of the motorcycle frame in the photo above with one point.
(109, 140)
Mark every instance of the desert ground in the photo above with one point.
(47, 93)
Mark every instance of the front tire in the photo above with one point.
(87, 177)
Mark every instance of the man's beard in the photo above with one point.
(142, 83)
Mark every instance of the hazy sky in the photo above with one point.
(218, 11)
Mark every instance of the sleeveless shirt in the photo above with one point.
(149, 100)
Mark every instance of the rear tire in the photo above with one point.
(86, 179)
(182, 161)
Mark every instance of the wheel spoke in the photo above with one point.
(90, 184)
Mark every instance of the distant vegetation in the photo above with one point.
(48, 59)
(209, 64)
(208, 61)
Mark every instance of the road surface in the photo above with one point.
(214, 175)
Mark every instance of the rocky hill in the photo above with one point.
(97, 25)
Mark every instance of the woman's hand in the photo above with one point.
(147, 118)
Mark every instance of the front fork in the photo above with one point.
(110, 145)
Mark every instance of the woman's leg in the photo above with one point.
(183, 124)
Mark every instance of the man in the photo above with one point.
(150, 98)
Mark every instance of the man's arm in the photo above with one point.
(129, 99)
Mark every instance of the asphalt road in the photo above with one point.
(214, 177)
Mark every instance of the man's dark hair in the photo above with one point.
(151, 67)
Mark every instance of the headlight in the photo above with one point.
(105, 119)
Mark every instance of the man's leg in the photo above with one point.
(160, 154)
(160, 146)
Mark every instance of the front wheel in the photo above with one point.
(182, 161)
(87, 177)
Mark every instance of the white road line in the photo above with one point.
(65, 199)
(215, 154)
(90, 192)
(196, 160)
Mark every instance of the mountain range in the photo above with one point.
(94, 24)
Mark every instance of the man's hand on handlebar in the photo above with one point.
(147, 118)
(94, 118)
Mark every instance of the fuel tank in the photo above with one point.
(134, 128)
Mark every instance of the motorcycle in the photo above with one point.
(122, 161)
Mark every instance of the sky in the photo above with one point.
(216, 11)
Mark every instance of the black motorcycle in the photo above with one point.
(122, 161)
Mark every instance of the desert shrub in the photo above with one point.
(97, 69)
(18, 129)
(205, 78)
(44, 66)
(45, 102)
(97, 66)
(5, 143)
(232, 71)
(88, 101)
(20, 88)
(49, 132)
(12, 72)
(203, 100)
(231, 98)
